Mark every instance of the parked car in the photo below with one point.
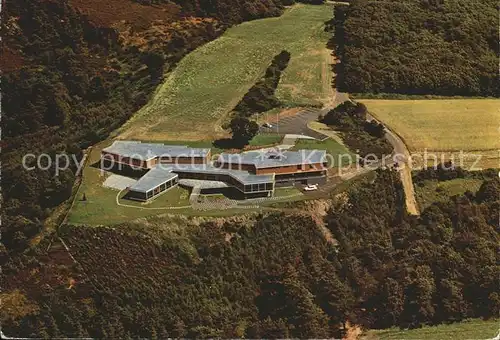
(267, 125)
(311, 187)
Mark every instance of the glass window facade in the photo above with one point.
(249, 188)
(156, 191)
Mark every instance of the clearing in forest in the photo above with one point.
(444, 126)
(196, 97)
(434, 191)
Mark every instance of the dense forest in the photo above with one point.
(76, 70)
(420, 47)
(265, 276)
(261, 96)
(449, 171)
(406, 271)
(359, 134)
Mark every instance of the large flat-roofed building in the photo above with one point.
(148, 155)
(153, 183)
(253, 174)
(289, 167)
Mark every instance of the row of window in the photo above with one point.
(259, 187)
(301, 175)
(161, 188)
(229, 180)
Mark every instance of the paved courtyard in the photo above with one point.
(118, 182)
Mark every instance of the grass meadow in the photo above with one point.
(263, 139)
(470, 329)
(198, 94)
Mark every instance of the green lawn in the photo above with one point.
(472, 329)
(278, 193)
(206, 85)
(434, 191)
(283, 192)
(334, 149)
(175, 197)
(100, 206)
(263, 139)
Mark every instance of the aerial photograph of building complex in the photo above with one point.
(250, 169)
(253, 173)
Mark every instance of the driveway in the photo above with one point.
(297, 124)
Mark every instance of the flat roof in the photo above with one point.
(152, 179)
(244, 177)
(273, 159)
(202, 184)
(147, 151)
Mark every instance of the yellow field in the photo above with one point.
(442, 125)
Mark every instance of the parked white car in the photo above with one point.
(311, 187)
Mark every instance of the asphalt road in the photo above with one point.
(297, 124)
(402, 151)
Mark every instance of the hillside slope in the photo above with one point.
(76, 70)
(197, 96)
(263, 276)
